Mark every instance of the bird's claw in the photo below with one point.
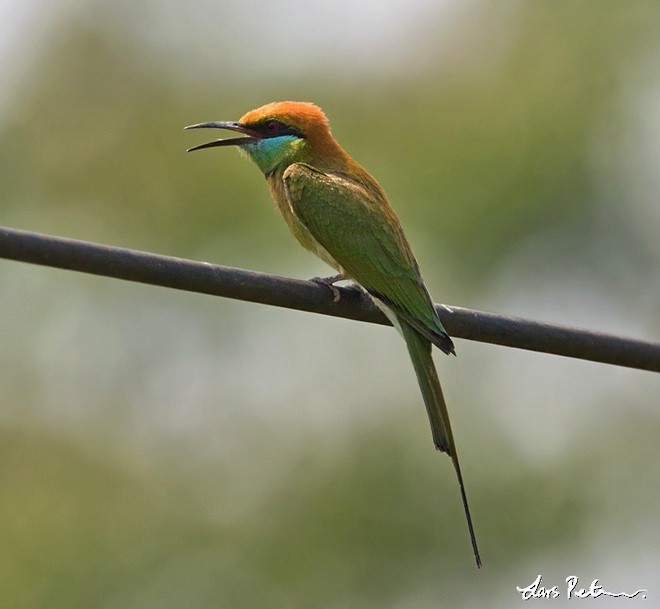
(328, 282)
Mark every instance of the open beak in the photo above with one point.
(250, 135)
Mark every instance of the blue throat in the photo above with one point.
(269, 152)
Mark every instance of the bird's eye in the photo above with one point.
(273, 127)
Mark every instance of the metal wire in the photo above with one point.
(216, 280)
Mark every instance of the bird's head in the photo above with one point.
(278, 134)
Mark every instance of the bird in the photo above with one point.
(338, 211)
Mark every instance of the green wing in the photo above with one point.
(358, 227)
(355, 224)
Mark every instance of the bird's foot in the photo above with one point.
(329, 282)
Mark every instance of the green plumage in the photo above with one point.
(349, 222)
(337, 210)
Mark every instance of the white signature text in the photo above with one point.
(571, 590)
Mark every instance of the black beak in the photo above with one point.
(250, 134)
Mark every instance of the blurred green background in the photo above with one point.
(164, 449)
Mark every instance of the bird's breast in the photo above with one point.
(299, 230)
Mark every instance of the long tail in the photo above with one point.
(419, 348)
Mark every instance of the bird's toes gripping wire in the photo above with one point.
(329, 282)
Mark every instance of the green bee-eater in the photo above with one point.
(339, 212)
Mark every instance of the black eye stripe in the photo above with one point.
(275, 128)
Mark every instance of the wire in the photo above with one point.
(251, 286)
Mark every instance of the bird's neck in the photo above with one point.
(269, 154)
